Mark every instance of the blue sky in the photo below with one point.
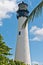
(9, 28)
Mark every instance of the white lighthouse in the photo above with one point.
(22, 47)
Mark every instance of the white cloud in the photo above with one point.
(35, 39)
(36, 62)
(1, 23)
(37, 32)
(33, 29)
(7, 6)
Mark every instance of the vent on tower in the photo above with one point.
(23, 10)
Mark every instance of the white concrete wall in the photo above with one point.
(22, 47)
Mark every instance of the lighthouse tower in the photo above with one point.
(22, 47)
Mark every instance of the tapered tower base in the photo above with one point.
(22, 47)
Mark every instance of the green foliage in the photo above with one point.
(4, 52)
(4, 49)
(19, 63)
(35, 64)
(35, 13)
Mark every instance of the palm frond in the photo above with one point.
(35, 13)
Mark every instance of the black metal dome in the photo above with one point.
(23, 3)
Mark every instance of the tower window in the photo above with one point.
(19, 32)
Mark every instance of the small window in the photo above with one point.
(19, 32)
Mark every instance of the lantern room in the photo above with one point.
(23, 10)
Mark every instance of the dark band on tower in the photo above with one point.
(23, 10)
